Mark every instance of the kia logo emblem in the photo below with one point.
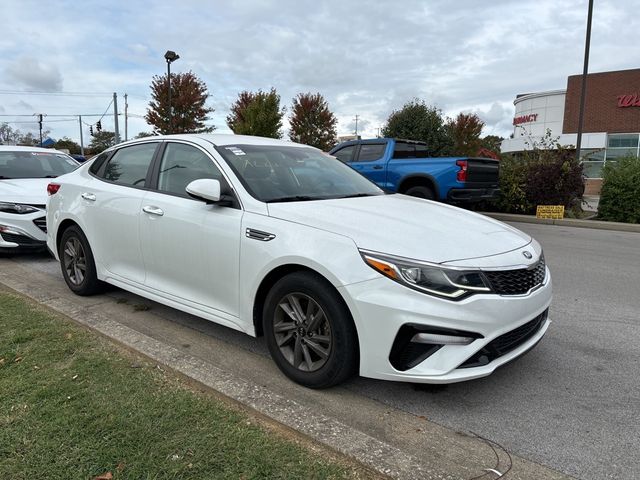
(527, 254)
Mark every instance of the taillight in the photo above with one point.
(461, 175)
(53, 188)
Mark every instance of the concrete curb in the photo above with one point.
(373, 453)
(565, 222)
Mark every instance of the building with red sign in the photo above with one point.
(611, 126)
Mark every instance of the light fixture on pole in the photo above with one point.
(170, 57)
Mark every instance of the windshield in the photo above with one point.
(25, 164)
(280, 173)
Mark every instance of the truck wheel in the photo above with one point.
(421, 192)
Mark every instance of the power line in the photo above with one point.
(55, 94)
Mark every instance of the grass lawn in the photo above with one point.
(75, 406)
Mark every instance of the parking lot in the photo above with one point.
(572, 404)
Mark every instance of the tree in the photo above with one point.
(312, 123)
(465, 132)
(492, 143)
(67, 143)
(102, 140)
(144, 135)
(418, 121)
(257, 114)
(188, 97)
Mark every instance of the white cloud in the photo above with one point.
(461, 56)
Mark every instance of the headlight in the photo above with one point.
(428, 278)
(17, 208)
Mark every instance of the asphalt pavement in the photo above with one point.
(572, 403)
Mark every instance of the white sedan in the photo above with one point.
(279, 239)
(25, 173)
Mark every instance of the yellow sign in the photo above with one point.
(550, 211)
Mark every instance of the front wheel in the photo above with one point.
(76, 261)
(309, 331)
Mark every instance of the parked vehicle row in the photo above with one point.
(278, 239)
(403, 166)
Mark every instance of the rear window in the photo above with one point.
(410, 150)
(25, 164)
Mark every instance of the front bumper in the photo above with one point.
(381, 307)
(23, 232)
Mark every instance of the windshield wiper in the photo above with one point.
(2, 177)
(293, 198)
(354, 195)
(50, 176)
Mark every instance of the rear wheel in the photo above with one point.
(76, 261)
(421, 191)
(309, 331)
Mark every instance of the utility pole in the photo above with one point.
(126, 119)
(40, 115)
(356, 119)
(584, 80)
(115, 117)
(81, 141)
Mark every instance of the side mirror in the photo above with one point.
(205, 189)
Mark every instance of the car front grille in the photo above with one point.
(41, 223)
(517, 282)
(506, 342)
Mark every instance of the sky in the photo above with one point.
(365, 58)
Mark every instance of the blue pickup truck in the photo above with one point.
(403, 166)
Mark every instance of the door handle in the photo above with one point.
(151, 210)
(377, 167)
(89, 196)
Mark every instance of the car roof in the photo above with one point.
(20, 148)
(221, 139)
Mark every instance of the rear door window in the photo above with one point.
(130, 165)
(370, 152)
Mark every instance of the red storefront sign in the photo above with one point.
(525, 119)
(629, 100)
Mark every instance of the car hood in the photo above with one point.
(24, 190)
(406, 226)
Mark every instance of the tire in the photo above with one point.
(421, 191)
(77, 263)
(319, 351)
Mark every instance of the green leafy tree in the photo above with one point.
(189, 95)
(465, 132)
(257, 113)
(418, 121)
(312, 123)
(102, 140)
(67, 143)
(620, 195)
(493, 143)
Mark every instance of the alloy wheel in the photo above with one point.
(302, 332)
(75, 261)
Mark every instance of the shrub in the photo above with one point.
(620, 195)
(548, 174)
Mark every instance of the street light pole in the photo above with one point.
(170, 57)
(584, 81)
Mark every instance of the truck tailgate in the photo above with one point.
(483, 171)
